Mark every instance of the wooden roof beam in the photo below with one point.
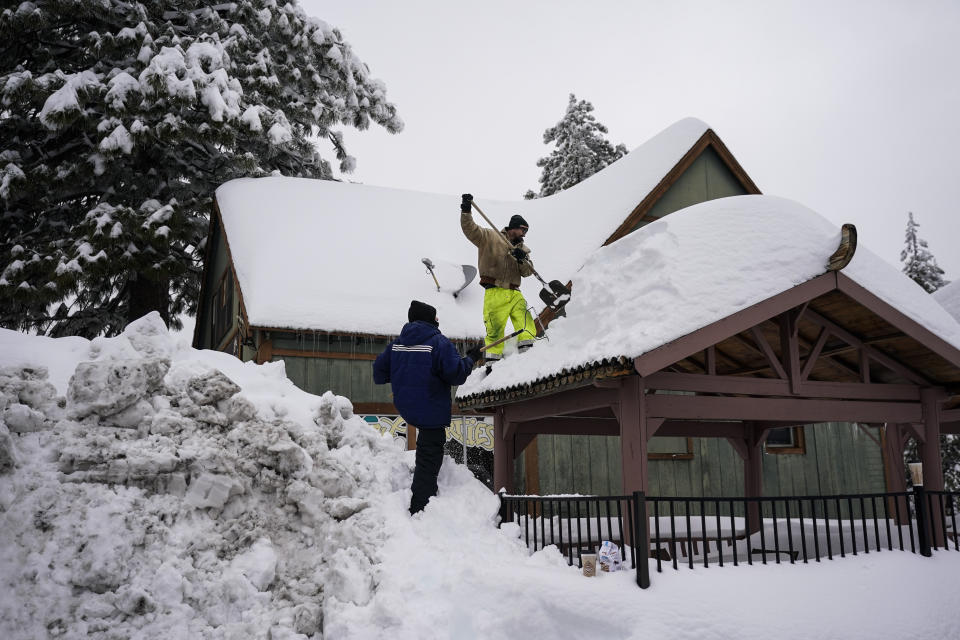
(874, 353)
(780, 409)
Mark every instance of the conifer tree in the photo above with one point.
(581, 150)
(920, 265)
(119, 119)
(918, 262)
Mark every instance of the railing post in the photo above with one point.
(641, 540)
(503, 507)
(920, 507)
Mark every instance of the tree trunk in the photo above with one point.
(148, 295)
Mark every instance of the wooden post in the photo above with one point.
(893, 441)
(753, 473)
(633, 435)
(931, 459)
(633, 451)
(503, 453)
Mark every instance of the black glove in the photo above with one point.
(519, 254)
(474, 353)
(465, 201)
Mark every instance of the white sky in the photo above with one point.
(848, 107)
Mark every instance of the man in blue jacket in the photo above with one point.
(421, 365)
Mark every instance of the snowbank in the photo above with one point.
(165, 492)
(695, 267)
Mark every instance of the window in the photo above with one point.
(785, 440)
(670, 448)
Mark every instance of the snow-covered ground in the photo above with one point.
(149, 490)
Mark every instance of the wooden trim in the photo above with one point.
(708, 139)
(226, 243)
(780, 409)
(264, 352)
(799, 448)
(375, 408)
(574, 401)
(701, 383)
(894, 316)
(227, 340)
(354, 334)
(696, 341)
(331, 355)
(874, 353)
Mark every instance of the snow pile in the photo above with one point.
(949, 298)
(167, 492)
(695, 267)
(162, 492)
(274, 269)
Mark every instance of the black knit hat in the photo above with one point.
(516, 222)
(422, 311)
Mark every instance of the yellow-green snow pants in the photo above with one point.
(498, 305)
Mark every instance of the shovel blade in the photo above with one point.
(548, 298)
(559, 289)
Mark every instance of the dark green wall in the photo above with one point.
(350, 378)
(217, 264)
(708, 178)
(839, 458)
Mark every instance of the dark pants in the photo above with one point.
(429, 458)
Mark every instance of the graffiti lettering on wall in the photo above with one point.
(470, 431)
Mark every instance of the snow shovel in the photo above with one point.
(554, 294)
(467, 271)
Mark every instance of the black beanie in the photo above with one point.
(516, 222)
(422, 311)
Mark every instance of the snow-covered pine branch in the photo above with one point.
(121, 110)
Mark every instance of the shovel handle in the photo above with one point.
(500, 235)
(492, 226)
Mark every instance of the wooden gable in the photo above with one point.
(706, 172)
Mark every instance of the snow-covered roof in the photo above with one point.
(333, 256)
(691, 269)
(949, 298)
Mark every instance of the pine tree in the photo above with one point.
(918, 262)
(581, 150)
(119, 119)
(920, 265)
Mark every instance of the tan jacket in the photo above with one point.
(493, 254)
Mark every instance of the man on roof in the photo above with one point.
(503, 260)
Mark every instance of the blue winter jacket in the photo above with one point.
(421, 365)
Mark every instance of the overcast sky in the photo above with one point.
(850, 108)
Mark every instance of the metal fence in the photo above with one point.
(733, 531)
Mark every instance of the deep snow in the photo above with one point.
(696, 267)
(321, 226)
(154, 491)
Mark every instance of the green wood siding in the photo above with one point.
(708, 178)
(350, 378)
(218, 265)
(839, 458)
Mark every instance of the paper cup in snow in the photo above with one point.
(589, 564)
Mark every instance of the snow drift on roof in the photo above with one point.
(949, 298)
(332, 256)
(691, 269)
